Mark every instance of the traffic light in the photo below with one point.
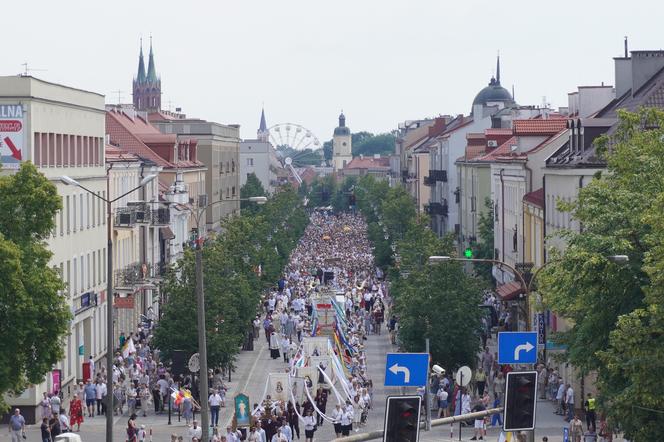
(402, 419)
(520, 401)
(468, 253)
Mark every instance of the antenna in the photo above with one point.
(119, 92)
(26, 70)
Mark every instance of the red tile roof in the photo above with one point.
(539, 127)
(503, 149)
(114, 153)
(535, 197)
(135, 134)
(368, 163)
(498, 131)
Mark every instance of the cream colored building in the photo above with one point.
(63, 134)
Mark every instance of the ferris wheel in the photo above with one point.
(293, 136)
(293, 141)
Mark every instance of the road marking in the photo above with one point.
(406, 373)
(523, 347)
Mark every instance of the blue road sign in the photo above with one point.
(517, 347)
(406, 369)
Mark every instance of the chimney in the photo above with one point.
(623, 75)
(645, 64)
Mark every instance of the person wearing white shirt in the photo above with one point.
(194, 432)
(336, 419)
(64, 421)
(215, 404)
(260, 431)
(309, 426)
(286, 431)
(346, 421)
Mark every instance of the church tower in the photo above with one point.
(147, 87)
(262, 133)
(341, 145)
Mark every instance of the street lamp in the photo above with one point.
(109, 285)
(200, 307)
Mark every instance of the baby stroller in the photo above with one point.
(363, 415)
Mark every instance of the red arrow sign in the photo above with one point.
(15, 152)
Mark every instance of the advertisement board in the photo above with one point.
(12, 135)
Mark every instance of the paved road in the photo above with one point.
(249, 378)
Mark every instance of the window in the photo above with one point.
(81, 209)
(82, 273)
(103, 274)
(233, 166)
(87, 209)
(94, 268)
(74, 278)
(74, 213)
(233, 192)
(62, 218)
(68, 280)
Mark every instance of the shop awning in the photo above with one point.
(510, 291)
(166, 233)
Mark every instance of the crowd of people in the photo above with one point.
(333, 256)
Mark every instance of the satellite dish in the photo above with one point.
(194, 363)
(288, 161)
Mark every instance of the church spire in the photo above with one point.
(140, 77)
(262, 132)
(498, 70)
(152, 73)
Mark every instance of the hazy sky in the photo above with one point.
(381, 61)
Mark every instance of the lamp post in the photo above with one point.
(109, 284)
(527, 286)
(200, 307)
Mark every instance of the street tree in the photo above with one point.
(616, 310)
(253, 187)
(34, 314)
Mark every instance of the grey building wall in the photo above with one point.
(219, 150)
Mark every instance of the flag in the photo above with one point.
(128, 348)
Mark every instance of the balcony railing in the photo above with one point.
(125, 217)
(129, 276)
(161, 217)
(436, 209)
(438, 175)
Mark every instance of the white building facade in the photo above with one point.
(63, 134)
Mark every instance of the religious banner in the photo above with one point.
(310, 376)
(278, 387)
(242, 415)
(324, 363)
(297, 386)
(315, 346)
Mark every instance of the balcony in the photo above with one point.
(142, 212)
(438, 175)
(129, 277)
(436, 209)
(161, 217)
(125, 217)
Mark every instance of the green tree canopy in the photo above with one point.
(253, 187)
(34, 315)
(616, 310)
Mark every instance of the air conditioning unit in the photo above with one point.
(492, 143)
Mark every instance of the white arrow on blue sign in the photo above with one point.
(517, 347)
(406, 369)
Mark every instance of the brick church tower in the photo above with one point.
(147, 87)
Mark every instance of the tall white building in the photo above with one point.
(61, 131)
(258, 156)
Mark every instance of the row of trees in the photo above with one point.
(34, 315)
(435, 301)
(617, 311)
(248, 256)
(366, 143)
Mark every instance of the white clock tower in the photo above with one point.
(341, 145)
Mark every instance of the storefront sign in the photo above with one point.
(541, 329)
(11, 135)
(124, 302)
